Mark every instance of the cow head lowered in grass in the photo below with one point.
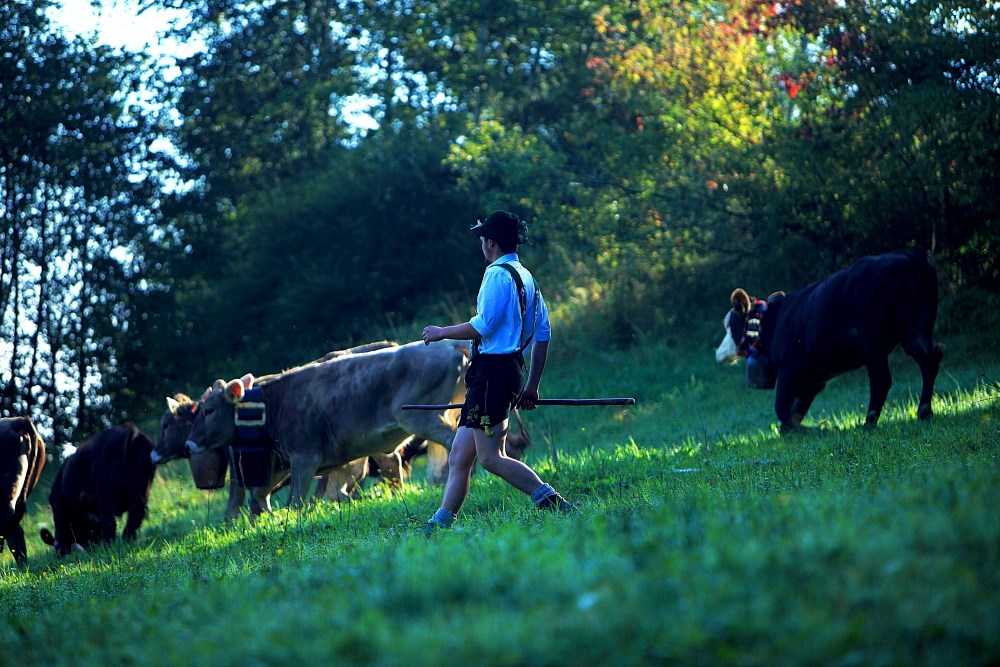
(853, 318)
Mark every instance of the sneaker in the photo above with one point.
(557, 503)
(431, 527)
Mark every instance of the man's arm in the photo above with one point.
(539, 351)
(464, 331)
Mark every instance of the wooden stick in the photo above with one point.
(541, 401)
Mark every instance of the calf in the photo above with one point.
(852, 318)
(107, 476)
(22, 457)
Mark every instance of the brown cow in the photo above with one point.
(22, 457)
(209, 467)
(107, 476)
(328, 414)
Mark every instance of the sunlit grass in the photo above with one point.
(703, 537)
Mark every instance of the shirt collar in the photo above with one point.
(509, 257)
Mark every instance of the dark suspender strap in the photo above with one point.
(522, 300)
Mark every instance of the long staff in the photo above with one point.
(541, 401)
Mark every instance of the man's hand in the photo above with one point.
(431, 334)
(527, 399)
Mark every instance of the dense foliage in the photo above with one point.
(325, 159)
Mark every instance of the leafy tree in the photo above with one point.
(668, 98)
(895, 139)
(74, 202)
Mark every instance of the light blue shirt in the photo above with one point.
(498, 313)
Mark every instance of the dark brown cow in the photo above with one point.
(22, 457)
(107, 476)
(325, 415)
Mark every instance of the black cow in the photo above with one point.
(107, 476)
(853, 318)
(22, 457)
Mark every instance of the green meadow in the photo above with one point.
(703, 537)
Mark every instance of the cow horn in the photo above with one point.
(740, 300)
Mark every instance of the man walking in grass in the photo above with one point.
(510, 316)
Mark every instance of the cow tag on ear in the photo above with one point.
(172, 405)
(234, 391)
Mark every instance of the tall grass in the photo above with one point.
(703, 538)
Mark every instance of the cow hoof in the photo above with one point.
(924, 412)
(793, 428)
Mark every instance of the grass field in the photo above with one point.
(703, 538)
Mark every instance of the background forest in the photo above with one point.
(169, 222)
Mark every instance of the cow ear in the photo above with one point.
(234, 391)
(740, 301)
(247, 381)
(172, 405)
(218, 385)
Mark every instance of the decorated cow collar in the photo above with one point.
(750, 344)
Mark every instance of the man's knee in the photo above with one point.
(491, 461)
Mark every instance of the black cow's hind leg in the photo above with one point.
(136, 515)
(784, 398)
(108, 527)
(880, 381)
(18, 547)
(928, 357)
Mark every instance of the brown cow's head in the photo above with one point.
(175, 425)
(214, 425)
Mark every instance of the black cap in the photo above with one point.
(503, 227)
